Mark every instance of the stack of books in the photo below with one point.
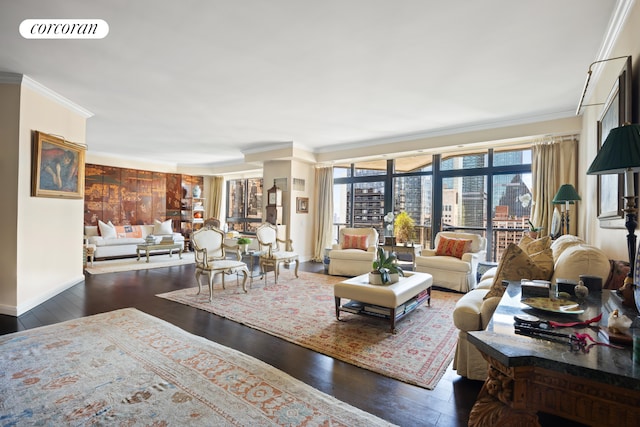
(167, 240)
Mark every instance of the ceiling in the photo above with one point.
(202, 82)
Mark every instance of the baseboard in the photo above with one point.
(34, 302)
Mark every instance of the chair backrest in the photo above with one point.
(370, 232)
(478, 243)
(212, 222)
(267, 234)
(210, 239)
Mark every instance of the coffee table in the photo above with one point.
(392, 301)
(147, 248)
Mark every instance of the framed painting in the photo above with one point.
(57, 167)
(302, 205)
(616, 112)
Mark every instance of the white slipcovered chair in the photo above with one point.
(457, 274)
(354, 253)
(211, 258)
(274, 251)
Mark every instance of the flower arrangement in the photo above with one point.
(385, 266)
(244, 241)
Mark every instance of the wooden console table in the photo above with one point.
(528, 375)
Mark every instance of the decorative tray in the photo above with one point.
(559, 305)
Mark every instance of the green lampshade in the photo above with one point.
(566, 193)
(619, 153)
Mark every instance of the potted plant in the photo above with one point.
(533, 230)
(243, 242)
(385, 268)
(404, 227)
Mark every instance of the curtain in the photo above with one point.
(214, 201)
(554, 163)
(323, 212)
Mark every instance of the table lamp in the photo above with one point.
(620, 153)
(566, 194)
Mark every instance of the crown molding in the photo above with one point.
(21, 79)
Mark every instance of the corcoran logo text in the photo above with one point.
(64, 29)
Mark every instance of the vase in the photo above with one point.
(197, 191)
(394, 277)
(375, 279)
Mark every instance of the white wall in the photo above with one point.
(612, 241)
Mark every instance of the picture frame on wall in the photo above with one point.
(57, 167)
(302, 205)
(616, 112)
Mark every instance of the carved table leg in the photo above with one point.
(492, 405)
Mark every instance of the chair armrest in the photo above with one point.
(96, 240)
(474, 257)
(428, 252)
(233, 248)
(336, 247)
(487, 309)
(288, 244)
(201, 256)
(372, 249)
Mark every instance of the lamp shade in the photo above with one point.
(566, 193)
(619, 153)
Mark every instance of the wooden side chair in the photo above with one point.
(274, 251)
(211, 258)
(212, 222)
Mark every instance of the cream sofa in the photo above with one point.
(572, 257)
(126, 240)
(347, 260)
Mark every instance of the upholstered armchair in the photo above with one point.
(354, 253)
(454, 262)
(211, 258)
(274, 251)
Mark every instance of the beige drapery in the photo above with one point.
(554, 163)
(323, 211)
(214, 201)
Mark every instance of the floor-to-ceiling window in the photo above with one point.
(486, 192)
(244, 204)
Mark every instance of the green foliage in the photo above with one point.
(404, 227)
(244, 241)
(386, 265)
(533, 227)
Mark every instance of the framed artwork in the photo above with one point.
(616, 112)
(302, 205)
(57, 167)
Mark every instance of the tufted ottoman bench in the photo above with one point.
(398, 298)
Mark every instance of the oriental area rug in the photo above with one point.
(302, 311)
(128, 368)
(130, 264)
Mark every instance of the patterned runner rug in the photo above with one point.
(302, 311)
(128, 368)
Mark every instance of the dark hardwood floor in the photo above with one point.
(397, 402)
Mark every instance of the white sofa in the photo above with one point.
(125, 242)
(572, 257)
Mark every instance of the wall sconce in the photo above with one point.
(568, 195)
(620, 153)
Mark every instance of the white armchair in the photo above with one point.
(354, 253)
(451, 272)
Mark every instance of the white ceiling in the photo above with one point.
(202, 81)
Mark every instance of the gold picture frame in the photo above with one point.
(57, 167)
(302, 205)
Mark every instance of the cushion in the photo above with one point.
(165, 227)
(355, 241)
(582, 259)
(452, 247)
(516, 265)
(129, 231)
(532, 246)
(107, 231)
(562, 243)
(619, 271)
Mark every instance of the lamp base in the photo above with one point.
(627, 292)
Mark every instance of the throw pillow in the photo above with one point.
(130, 231)
(107, 231)
(453, 247)
(355, 241)
(515, 265)
(164, 227)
